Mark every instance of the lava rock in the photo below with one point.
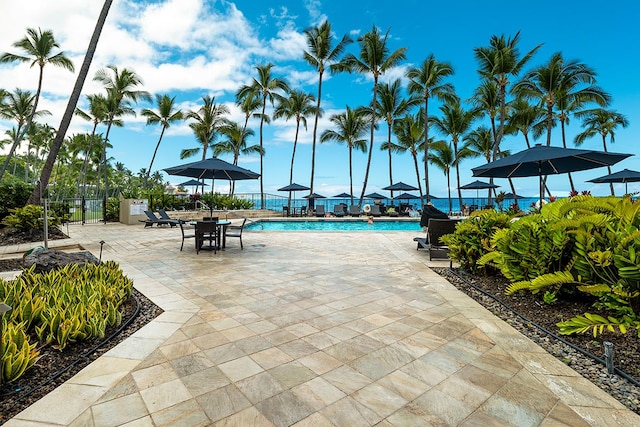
(47, 260)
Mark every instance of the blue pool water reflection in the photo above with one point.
(335, 225)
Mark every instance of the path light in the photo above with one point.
(3, 309)
(101, 243)
(608, 356)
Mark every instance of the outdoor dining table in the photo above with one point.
(221, 241)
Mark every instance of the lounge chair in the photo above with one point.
(320, 211)
(354, 210)
(435, 230)
(235, 231)
(153, 219)
(338, 210)
(164, 215)
(185, 234)
(375, 210)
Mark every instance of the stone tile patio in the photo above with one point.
(311, 329)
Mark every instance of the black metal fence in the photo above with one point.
(86, 211)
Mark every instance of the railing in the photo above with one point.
(200, 205)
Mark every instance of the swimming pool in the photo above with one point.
(333, 225)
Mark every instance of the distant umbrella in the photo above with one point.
(624, 176)
(400, 186)
(314, 196)
(192, 182)
(376, 196)
(292, 188)
(511, 196)
(406, 196)
(342, 196)
(547, 160)
(478, 185)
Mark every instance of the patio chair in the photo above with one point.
(211, 218)
(285, 211)
(206, 231)
(236, 231)
(435, 230)
(375, 210)
(186, 234)
(164, 215)
(354, 210)
(303, 211)
(320, 211)
(153, 219)
(338, 210)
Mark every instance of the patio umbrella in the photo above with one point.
(477, 185)
(407, 196)
(192, 183)
(376, 196)
(342, 196)
(400, 186)
(511, 196)
(213, 168)
(312, 197)
(625, 176)
(546, 160)
(292, 188)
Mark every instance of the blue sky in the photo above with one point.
(192, 48)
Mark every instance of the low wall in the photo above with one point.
(240, 213)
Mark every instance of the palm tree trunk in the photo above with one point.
(315, 131)
(12, 150)
(351, 172)
(390, 162)
(293, 156)
(71, 106)
(415, 164)
(564, 144)
(604, 145)
(146, 178)
(426, 153)
(264, 107)
(373, 126)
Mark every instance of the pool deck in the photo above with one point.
(310, 329)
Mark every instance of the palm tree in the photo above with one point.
(297, 105)
(235, 143)
(122, 89)
(97, 113)
(525, 118)
(249, 102)
(455, 122)
(392, 105)
(71, 105)
(561, 83)
(601, 122)
(165, 115)
(19, 107)
(375, 59)
(350, 128)
(427, 82)
(498, 61)
(320, 54)
(409, 131)
(208, 120)
(267, 87)
(37, 47)
(443, 158)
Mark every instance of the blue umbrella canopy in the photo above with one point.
(407, 196)
(314, 196)
(213, 168)
(624, 176)
(192, 182)
(478, 185)
(511, 196)
(294, 187)
(377, 196)
(542, 160)
(342, 196)
(400, 186)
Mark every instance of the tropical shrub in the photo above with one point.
(13, 194)
(472, 238)
(112, 213)
(66, 305)
(30, 217)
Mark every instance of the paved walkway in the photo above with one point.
(311, 329)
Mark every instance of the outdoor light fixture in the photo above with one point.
(102, 242)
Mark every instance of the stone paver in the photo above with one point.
(311, 329)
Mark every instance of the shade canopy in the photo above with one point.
(342, 196)
(546, 160)
(400, 186)
(377, 196)
(192, 182)
(624, 176)
(213, 168)
(407, 196)
(511, 196)
(478, 185)
(294, 187)
(314, 196)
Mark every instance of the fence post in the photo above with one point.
(83, 208)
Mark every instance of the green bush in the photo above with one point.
(30, 217)
(472, 238)
(113, 209)
(13, 194)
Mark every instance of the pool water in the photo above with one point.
(339, 225)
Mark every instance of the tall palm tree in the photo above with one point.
(249, 102)
(38, 48)
(267, 86)
(297, 105)
(443, 158)
(426, 82)
(392, 105)
(561, 83)
(601, 122)
(235, 142)
(498, 62)
(375, 59)
(455, 123)
(122, 90)
(319, 55)
(34, 198)
(409, 131)
(165, 116)
(19, 107)
(206, 124)
(96, 114)
(350, 128)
